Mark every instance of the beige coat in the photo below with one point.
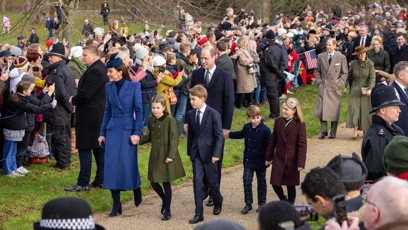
(246, 83)
(330, 79)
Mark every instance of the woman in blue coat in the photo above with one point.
(120, 131)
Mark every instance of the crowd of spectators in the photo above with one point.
(260, 57)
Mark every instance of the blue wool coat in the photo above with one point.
(122, 118)
(256, 143)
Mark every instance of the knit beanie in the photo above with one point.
(202, 40)
(141, 52)
(396, 155)
(20, 62)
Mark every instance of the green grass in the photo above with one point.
(21, 199)
(21, 24)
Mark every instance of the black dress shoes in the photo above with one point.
(332, 136)
(96, 185)
(196, 219)
(246, 209)
(77, 188)
(166, 216)
(323, 135)
(217, 209)
(210, 202)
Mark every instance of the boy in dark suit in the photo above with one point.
(257, 136)
(204, 146)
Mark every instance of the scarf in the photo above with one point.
(79, 63)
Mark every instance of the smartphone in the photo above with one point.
(340, 208)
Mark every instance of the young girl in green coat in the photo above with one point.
(164, 163)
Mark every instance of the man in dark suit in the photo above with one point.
(401, 85)
(204, 146)
(363, 39)
(90, 106)
(399, 52)
(224, 61)
(220, 88)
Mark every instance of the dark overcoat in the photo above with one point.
(287, 150)
(122, 118)
(256, 143)
(403, 116)
(163, 134)
(90, 103)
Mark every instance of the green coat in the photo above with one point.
(362, 74)
(163, 135)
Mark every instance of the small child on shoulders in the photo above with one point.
(257, 136)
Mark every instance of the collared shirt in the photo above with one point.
(211, 72)
(202, 110)
(363, 40)
(328, 55)
(400, 85)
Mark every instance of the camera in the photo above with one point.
(36, 69)
(162, 69)
(251, 68)
(340, 208)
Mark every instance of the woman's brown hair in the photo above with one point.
(20, 88)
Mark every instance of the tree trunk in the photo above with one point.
(266, 11)
(3, 6)
(67, 20)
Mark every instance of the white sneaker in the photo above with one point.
(290, 92)
(22, 170)
(14, 174)
(283, 97)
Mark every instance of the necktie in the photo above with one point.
(207, 78)
(198, 118)
(330, 58)
(362, 41)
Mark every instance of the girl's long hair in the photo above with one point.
(293, 103)
(20, 88)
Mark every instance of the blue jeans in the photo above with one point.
(263, 96)
(49, 33)
(9, 156)
(257, 93)
(181, 106)
(295, 82)
(146, 113)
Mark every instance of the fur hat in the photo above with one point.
(395, 155)
(351, 170)
(20, 62)
(67, 213)
(76, 51)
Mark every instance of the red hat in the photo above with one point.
(48, 43)
(202, 40)
(233, 46)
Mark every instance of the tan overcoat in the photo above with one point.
(330, 79)
(246, 82)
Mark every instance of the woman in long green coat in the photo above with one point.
(362, 76)
(164, 162)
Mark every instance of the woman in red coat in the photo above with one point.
(287, 150)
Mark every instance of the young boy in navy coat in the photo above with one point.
(204, 146)
(257, 136)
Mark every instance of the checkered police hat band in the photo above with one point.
(76, 223)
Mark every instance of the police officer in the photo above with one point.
(59, 119)
(386, 104)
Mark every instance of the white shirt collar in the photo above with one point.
(212, 70)
(202, 110)
(400, 85)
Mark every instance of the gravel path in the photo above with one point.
(147, 216)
